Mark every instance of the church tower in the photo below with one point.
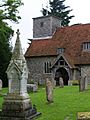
(45, 26)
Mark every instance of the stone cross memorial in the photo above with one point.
(17, 104)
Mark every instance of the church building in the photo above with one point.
(57, 51)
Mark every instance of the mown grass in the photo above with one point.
(67, 102)
(2, 93)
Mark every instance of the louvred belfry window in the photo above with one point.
(60, 50)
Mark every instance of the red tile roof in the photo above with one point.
(70, 38)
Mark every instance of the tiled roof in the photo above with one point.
(70, 38)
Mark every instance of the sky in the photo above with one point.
(32, 8)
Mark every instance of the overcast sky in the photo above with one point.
(31, 9)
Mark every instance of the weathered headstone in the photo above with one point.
(36, 83)
(32, 88)
(61, 83)
(83, 83)
(49, 91)
(86, 83)
(69, 83)
(17, 104)
(0, 84)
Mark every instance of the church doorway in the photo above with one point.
(61, 72)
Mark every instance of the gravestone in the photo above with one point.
(32, 88)
(49, 91)
(17, 104)
(69, 83)
(36, 83)
(0, 84)
(61, 82)
(83, 83)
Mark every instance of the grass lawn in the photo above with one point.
(67, 102)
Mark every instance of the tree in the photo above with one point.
(8, 11)
(57, 8)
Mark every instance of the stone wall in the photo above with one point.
(55, 23)
(36, 68)
(44, 26)
(37, 71)
(75, 74)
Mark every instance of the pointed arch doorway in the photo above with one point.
(61, 72)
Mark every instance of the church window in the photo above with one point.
(47, 66)
(42, 24)
(60, 50)
(86, 46)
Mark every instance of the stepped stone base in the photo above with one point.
(16, 107)
(19, 115)
(13, 116)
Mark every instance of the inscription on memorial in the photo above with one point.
(15, 83)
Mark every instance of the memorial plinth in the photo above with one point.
(17, 104)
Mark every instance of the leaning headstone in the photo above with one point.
(17, 104)
(61, 83)
(49, 91)
(0, 84)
